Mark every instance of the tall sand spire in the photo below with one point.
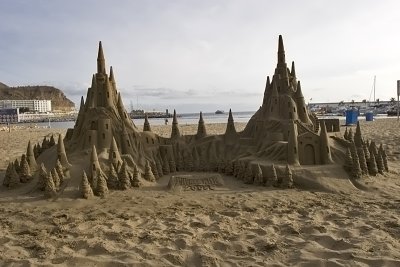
(201, 129)
(101, 63)
(326, 157)
(267, 86)
(281, 51)
(30, 156)
(62, 155)
(146, 126)
(292, 148)
(114, 156)
(293, 70)
(230, 126)
(175, 133)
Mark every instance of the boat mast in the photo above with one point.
(374, 86)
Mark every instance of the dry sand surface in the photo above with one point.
(235, 225)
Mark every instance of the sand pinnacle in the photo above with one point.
(101, 64)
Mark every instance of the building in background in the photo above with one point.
(9, 115)
(32, 105)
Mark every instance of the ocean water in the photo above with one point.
(189, 118)
(183, 119)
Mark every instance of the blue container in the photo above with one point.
(369, 116)
(351, 116)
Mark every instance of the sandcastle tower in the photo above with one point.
(103, 117)
(175, 133)
(146, 126)
(201, 129)
(230, 132)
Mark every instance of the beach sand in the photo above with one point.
(233, 225)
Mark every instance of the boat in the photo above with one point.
(219, 112)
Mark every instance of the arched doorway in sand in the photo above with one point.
(309, 155)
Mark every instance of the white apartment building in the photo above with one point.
(33, 105)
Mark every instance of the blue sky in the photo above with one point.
(202, 55)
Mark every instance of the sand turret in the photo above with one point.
(325, 149)
(101, 189)
(357, 136)
(108, 94)
(30, 157)
(62, 156)
(175, 133)
(146, 125)
(274, 102)
(230, 131)
(301, 105)
(122, 112)
(201, 129)
(293, 70)
(267, 86)
(114, 156)
(148, 174)
(91, 97)
(101, 62)
(79, 119)
(85, 189)
(292, 147)
(112, 81)
(94, 168)
(126, 144)
(281, 53)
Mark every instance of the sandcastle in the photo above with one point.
(106, 151)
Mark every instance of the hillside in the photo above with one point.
(58, 100)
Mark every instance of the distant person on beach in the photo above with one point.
(166, 121)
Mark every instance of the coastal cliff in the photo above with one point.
(42, 92)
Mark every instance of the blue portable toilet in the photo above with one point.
(369, 116)
(351, 116)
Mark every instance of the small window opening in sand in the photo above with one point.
(129, 143)
(152, 141)
(294, 109)
(114, 155)
(94, 167)
(304, 109)
(106, 126)
(104, 136)
(295, 150)
(125, 115)
(108, 95)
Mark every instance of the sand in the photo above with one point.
(233, 225)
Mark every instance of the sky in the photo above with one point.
(203, 55)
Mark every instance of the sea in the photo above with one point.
(183, 119)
